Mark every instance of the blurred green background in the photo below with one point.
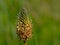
(45, 16)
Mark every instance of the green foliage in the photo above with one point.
(45, 16)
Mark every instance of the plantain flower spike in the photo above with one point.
(24, 26)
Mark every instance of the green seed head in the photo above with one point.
(23, 15)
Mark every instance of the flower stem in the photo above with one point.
(25, 43)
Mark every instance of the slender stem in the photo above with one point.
(25, 43)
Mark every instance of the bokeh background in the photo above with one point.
(45, 16)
